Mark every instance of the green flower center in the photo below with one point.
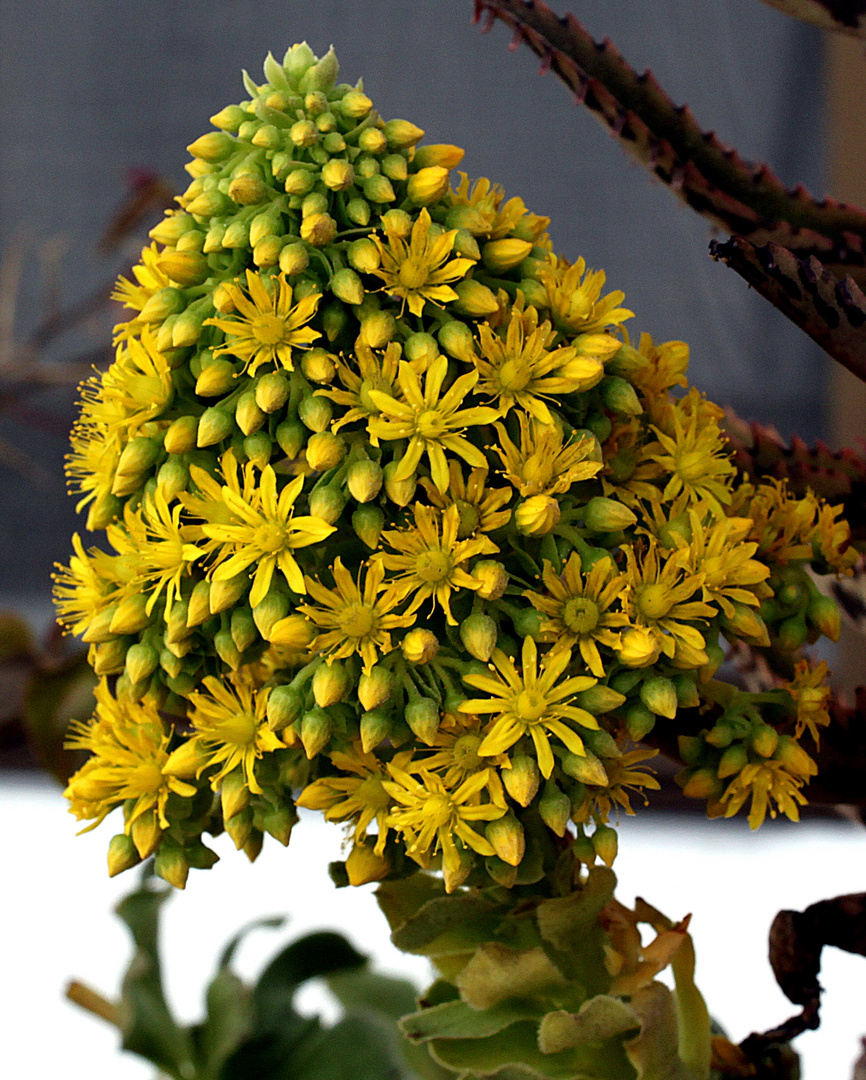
(438, 809)
(653, 601)
(237, 730)
(691, 466)
(433, 566)
(530, 706)
(468, 517)
(465, 751)
(370, 793)
(268, 329)
(357, 620)
(413, 273)
(270, 538)
(429, 425)
(514, 375)
(580, 615)
(146, 778)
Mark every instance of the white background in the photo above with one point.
(56, 902)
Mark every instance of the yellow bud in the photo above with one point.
(230, 118)
(372, 140)
(734, 760)
(248, 190)
(315, 413)
(422, 716)
(500, 256)
(537, 515)
(268, 612)
(184, 267)
(304, 133)
(639, 647)
(420, 348)
(330, 684)
(554, 807)
(224, 594)
(442, 154)
(139, 455)
(794, 757)
(141, 662)
(300, 182)
(420, 646)
(199, 604)
(401, 134)
(267, 251)
(368, 521)
(505, 835)
(267, 137)
(216, 379)
(214, 146)
(375, 727)
(586, 768)
(747, 623)
(364, 479)
(337, 174)
(318, 366)
(377, 329)
(400, 492)
(214, 425)
(660, 696)
(222, 298)
(374, 687)
(285, 705)
(492, 577)
(395, 168)
(703, 784)
(108, 658)
(210, 204)
(604, 840)
(765, 740)
(186, 760)
(428, 185)
(122, 854)
(474, 299)
(248, 416)
(824, 613)
(325, 451)
(355, 105)
(347, 286)
(171, 865)
(607, 515)
(237, 235)
(294, 631)
(165, 302)
(397, 222)
(478, 634)
(363, 255)
(318, 229)
(271, 392)
(363, 865)
(171, 228)
(294, 259)
(378, 189)
(522, 779)
(315, 732)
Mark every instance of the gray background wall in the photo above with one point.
(91, 88)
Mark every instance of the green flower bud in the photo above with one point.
(318, 230)
(375, 728)
(243, 628)
(108, 658)
(237, 235)
(620, 396)
(337, 174)
(213, 240)
(248, 416)
(172, 478)
(374, 687)
(601, 743)
(603, 515)
(315, 731)
(421, 348)
(325, 451)
(466, 245)
(171, 864)
(285, 705)
(368, 522)
(171, 228)
(364, 479)
(165, 302)
(199, 604)
(315, 413)
(604, 840)
(398, 222)
(358, 211)
(122, 854)
(502, 256)
(422, 716)
(172, 665)
(323, 75)
(318, 366)
(639, 720)
(182, 684)
(468, 218)
(214, 146)
(537, 515)
(216, 379)
(355, 105)
(733, 761)
(587, 769)
(691, 748)
(267, 138)
(291, 437)
(378, 189)
(687, 692)
(327, 503)
(300, 182)
(478, 633)
(747, 623)
(230, 118)
(378, 329)
(400, 492)
(474, 300)
(395, 168)
(401, 134)
(505, 835)
(363, 255)
(271, 393)
(226, 649)
(225, 594)
(214, 425)
(258, 448)
(240, 828)
(660, 696)
(765, 740)
(527, 622)
(141, 661)
(267, 251)
(555, 808)
(268, 612)
(492, 578)
(330, 684)
(501, 872)
(372, 141)
(522, 779)
(102, 511)
(278, 821)
(599, 699)
(248, 191)
(703, 784)
(824, 614)
(335, 319)
(139, 455)
(534, 292)
(184, 267)
(209, 204)
(346, 286)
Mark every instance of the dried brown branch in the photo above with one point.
(844, 16)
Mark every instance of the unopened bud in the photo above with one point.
(638, 647)
(172, 228)
(587, 769)
(537, 515)
(181, 435)
(165, 302)
(599, 699)
(364, 479)
(278, 821)
(346, 286)
(639, 721)
(400, 492)
(327, 503)
(315, 413)
(294, 631)
(224, 593)
(269, 611)
(318, 366)
(325, 451)
(285, 705)
(172, 478)
(619, 396)
(794, 757)
(130, 615)
(294, 259)
(603, 515)
(378, 328)
(368, 522)
(375, 728)
(660, 696)
(492, 578)
(733, 761)
(747, 623)
(555, 808)
(474, 300)
(171, 865)
(478, 633)
(141, 661)
(604, 840)
(379, 189)
(363, 865)
(505, 835)
(108, 658)
(420, 646)
(823, 612)
(374, 687)
(226, 650)
(422, 716)
(442, 154)
(363, 255)
(214, 146)
(765, 740)
(122, 854)
(98, 628)
(395, 168)
(248, 416)
(243, 628)
(237, 235)
(248, 190)
(216, 379)
(208, 204)
(522, 779)
(703, 784)
(139, 455)
(338, 174)
(315, 731)
(358, 211)
(291, 437)
(501, 256)
(184, 267)
(317, 230)
(330, 684)
(266, 252)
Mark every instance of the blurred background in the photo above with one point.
(99, 101)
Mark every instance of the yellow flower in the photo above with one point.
(622, 778)
(268, 326)
(431, 423)
(92, 581)
(149, 279)
(577, 305)
(656, 598)
(782, 526)
(136, 388)
(492, 218)
(531, 703)
(373, 374)
(353, 620)
(432, 818)
(430, 560)
(264, 532)
(129, 743)
(811, 696)
(577, 608)
(92, 464)
(832, 540)
(478, 507)
(693, 455)
(766, 783)
(520, 368)
(356, 793)
(543, 465)
(656, 368)
(230, 730)
(630, 471)
(418, 271)
(455, 755)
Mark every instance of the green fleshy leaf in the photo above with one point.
(456, 1020)
(146, 1023)
(566, 920)
(654, 1051)
(364, 989)
(496, 973)
(514, 1053)
(599, 1018)
(447, 924)
(402, 900)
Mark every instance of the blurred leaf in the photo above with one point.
(145, 1020)
(357, 1047)
(456, 1020)
(16, 639)
(653, 1052)
(364, 989)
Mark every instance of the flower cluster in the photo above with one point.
(404, 527)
